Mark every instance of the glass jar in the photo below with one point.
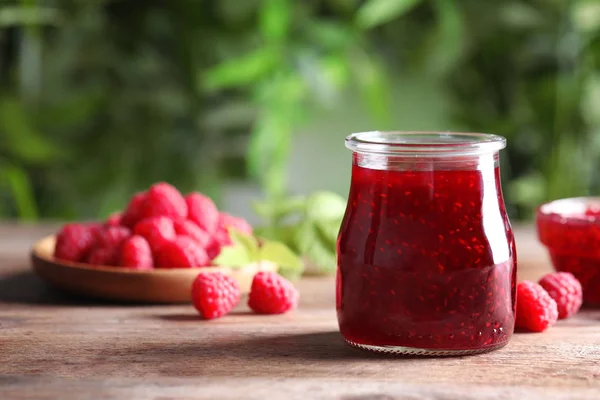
(426, 254)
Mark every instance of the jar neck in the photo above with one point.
(418, 162)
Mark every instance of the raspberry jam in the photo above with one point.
(570, 229)
(426, 255)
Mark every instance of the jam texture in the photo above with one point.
(426, 260)
(573, 241)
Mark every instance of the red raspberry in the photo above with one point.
(213, 249)
(202, 211)
(136, 253)
(74, 242)
(566, 290)
(237, 223)
(536, 310)
(102, 256)
(183, 252)
(271, 293)
(132, 213)
(114, 219)
(108, 244)
(157, 231)
(164, 200)
(221, 236)
(219, 240)
(188, 228)
(112, 237)
(95, 228)
(214, 294)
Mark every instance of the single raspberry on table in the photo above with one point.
(133, 212)
(164, 200)
(271, 293)
(566, 290)
(157, 231)
(189, 228)
(136, 253)
(214, 294)
(202, 210)
(74, 242)
(183, 252)
(536, 310)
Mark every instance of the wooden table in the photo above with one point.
(53, 346)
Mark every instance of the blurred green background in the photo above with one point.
(245, 99)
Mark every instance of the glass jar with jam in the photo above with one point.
(426, 254)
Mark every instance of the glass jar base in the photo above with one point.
(415, 351)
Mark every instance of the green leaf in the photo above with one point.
(590, 99)
(586, 15)
(241, 71)
(21, 190)
(275, 179)
(521, 15)
(318, 251)
(277, 209)
(336, 70)
(261, 144)
(19, 137)
(329, 230)
(248, 242)
(72, 112)
(275, 19)
(378, 12)
(280, 254)
(528, 190)
(325, 205)
(268, 151)
(330, 34)
(245, 250)
(311, 68)
(374, 87)
(235, 256)
(447, 42)
(13, 15)
(285, 234)
(263, 209)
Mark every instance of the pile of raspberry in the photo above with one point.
(160, 228)
(556, 296)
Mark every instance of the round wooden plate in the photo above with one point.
(116, 283)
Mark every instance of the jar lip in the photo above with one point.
(424, 143)
(571, 210)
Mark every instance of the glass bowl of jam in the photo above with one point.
(426, 253)
(570, 230)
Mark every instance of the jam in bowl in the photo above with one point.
(426, 254)
(570, 230)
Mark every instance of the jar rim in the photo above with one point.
(425, 143)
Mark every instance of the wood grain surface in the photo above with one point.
(54, 346)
